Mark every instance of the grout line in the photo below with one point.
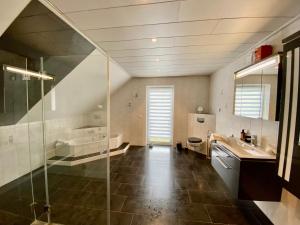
(175, 46)
(190, 199)
(175, 54)
(185, 36)
(184, 21)
(126, 197)
(122, 6)
(131, 219)
(204, 206)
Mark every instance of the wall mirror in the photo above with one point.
(257, 87)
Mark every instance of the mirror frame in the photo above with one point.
(260, 65)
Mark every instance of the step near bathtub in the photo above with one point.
(73, 161)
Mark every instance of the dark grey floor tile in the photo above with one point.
(230, 215)
(71, 197)
(11, 219)
(128, 179)
(193, 212)
(117, 218)
(146, 206)
(187, 222)
(70, 215)
(100, 187)
(190, 183)
(209, 197)
(20, 207)
(124, 170)
(99, 202)
(170, 194)
(165, 181)
(134, 190)
(72, 183)
(153, 220)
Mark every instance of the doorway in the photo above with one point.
(160, 110)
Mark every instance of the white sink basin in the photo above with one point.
(245, 150)
(255, 152)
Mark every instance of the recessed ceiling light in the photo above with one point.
(154, 40)
(157, 60)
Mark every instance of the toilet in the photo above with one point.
(194, 143)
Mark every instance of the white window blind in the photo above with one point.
(159, 115)
(248, 100)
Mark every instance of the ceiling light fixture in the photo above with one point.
(25, 72)
(154, 40)
(272, 61)
(157, 60)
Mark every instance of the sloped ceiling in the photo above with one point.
(193, 37)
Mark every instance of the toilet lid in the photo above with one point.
(194, 140)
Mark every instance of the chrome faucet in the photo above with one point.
(254, 140)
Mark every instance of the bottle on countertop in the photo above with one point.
(243, 135)
(247, 136)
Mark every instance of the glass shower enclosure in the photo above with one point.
(54, 142)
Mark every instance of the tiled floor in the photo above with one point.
(157, 186)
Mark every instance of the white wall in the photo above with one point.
(9, 10)
(221, 104)
(190, 92)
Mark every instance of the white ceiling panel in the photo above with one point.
(251, 25)
(200, 56)
(173, 62)
(181, 50)
(132, 16)
(87, 5)
(172, 72)
(136, 44)
(192, 37)
(212, 9)
(152, 31)
(174, 67)
(221, 39)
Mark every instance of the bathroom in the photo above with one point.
(113, 114)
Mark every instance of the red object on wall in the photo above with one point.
(263, 52)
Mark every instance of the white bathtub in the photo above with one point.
(79, 147)
(85, 141)
(115, 141)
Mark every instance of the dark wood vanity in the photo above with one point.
(247, 178)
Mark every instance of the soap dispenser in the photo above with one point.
(243, 135)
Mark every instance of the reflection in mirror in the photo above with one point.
(256, 90)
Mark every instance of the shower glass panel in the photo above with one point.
(76, 138)
(21, 191)
(53, 123)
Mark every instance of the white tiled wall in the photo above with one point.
(15, 141)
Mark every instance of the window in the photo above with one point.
(160, 114)
(252, 100)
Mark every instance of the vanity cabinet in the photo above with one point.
(246, 178)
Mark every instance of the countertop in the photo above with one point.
(245, 151)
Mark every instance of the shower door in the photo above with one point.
(75, 124)
(22, 187)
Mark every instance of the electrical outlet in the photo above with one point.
(11, 139)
